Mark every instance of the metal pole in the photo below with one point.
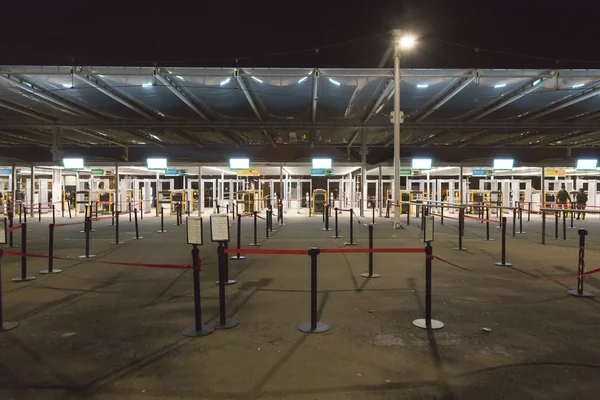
(396, 172)
(363, 172)
(137, 232)
(10, 225)
(487, 223)
(39, 212)
(579, 292)
(351, 242)
(24, 276)
(460, 185)
(337, 235)
(223, 322)
(50, 269)
(238, 256)
(198, 329)
(556, 226)
(255, 243)
(313, 326)
(514, 224)
(4, 325)
(381, 194)
(326, 215)
(564, 225)
(162, 220)
(370, 274)
(32, 188)
(503, 263)
(428, 254)
(543, 227)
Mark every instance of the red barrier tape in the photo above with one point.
(305, 252)
(480, 219)
(71, 223)
(14, 228)
(560, 278)
(168, 266)
(445, 216)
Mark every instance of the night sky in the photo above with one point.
(522, 33)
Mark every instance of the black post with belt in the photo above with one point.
(223, 322)
(579, 292)
(24, 276)
(162, 220)
(326, 216)
(487, 223)
(50, 269)
(370, 274)
(313, 326)
(503, 263)
(351, 242)
(461, 229)
(198, 329)
(4, 325)
(238, 256)
(255, 243)
(137, 232)
(337, 233)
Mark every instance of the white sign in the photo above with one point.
(428, 234)
(321, 163)
(3, 231)
(219, 227)
(194, 230)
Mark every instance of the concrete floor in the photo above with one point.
(101, 331)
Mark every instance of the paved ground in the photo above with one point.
(100, 331)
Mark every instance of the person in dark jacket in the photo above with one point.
(581, 199)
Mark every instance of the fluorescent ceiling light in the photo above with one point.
(422, 86)
(578, 85)
(302, 80)
(503, 164)
(536, 82)
(221, 170)
(156, 163)
(180, 77)
(147, 84)
(239, 163)
(156, 137)
(500, 85)
(321, 163)
(334, 82)
(73, 163)
(161, 114)
(256, 79)
(421, 163)
(587, 164)
(225, 81)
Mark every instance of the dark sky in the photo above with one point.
(215, 33)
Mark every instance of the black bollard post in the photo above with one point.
(324, 211)
(351, 242)
(370, 274)
(238, 256)
(327, 228)
(461, 229)
(520, 221)
(217, 205)
(39, 212)
(428, 323)
(10, 226)
(514, 224)
(543, 227)
(137, 232)
(223, 322)
(271, 221)
(129, 210)
(337, 234)
(4, 325)
(96, 208)
(69, 207)
(162, 220)
(62, 208)
(24, 208)
(255, 243)
(579, 292)
(53, 214)
(313, 326)
(112, 214)
(572, 215)
(528, 211)
(281, 214)
(556, 226)
(198, 329)
(487, 223)
(373, 218)
(309, 207)
(267, 224)
(407, 213)
(188, 208)
(50, 269)
(503, 263)
(87, 239)
(226, 262)
(387, 209)
(142, 210)
(442, 215)
(116, 228)
(24, 276)
(564, 225)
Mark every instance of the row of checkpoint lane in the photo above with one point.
(220, 227)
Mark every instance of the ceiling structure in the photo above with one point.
(290, 115)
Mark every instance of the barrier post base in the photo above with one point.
(501, 264)
(336, 237)
(114, 243)
(584, 294)
(240, 257)
(137, 238)
(90, 256)
(27, 278)
(349, 244)
(54, 271)
(521, 233)
(229, 323)
(366, 275)
(462, 248)
(490, 239)
(191, 331)
(7, 326)
(161, 230)
(326, 229)
(229, 282)
(321, 327)
(255, 244)
(421, 323)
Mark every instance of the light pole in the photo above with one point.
(400, 41)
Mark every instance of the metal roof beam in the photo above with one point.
(523, 90)
(354, 136)
(453, 89)
(25, 111)
(189, 137)
(378, 105)
(25, 139)
(47, 96)
(229, 137)
(270, 137)
(566, 102)
(146, 137)
(99, 136)
(565, 137)
(177, 91)
(248, 95)
(315, 95)
(96, 82)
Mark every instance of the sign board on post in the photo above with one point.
(172, 172)
(4, 171)
(321, 172)
(406, 172)
(428, 231)
(97, 172)
(219, 227)
(479, 172)
(194, 230)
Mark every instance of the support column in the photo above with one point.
(363, 172)
(460, 185)
(200, 192)
(56, 187)
(31, 213)
(281, 188)
(117, 200)
(13, 181)
(396, 196)
(543, 189)
(381, 193)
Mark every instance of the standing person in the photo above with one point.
(581, 198)
(562, 197)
